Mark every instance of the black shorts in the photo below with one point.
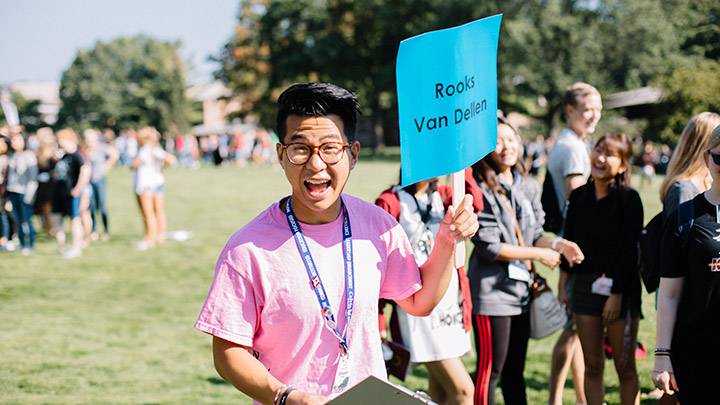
(584, 302)
(61, 201)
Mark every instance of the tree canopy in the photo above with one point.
(545, 45)
(127, 82)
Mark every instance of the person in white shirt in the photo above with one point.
(149, 186)
(569, 166)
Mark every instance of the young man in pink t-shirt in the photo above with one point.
(293, 305)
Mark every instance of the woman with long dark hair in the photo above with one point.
(509, 238)
(21, 188)
(605, 217)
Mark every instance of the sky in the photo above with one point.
(39, 38)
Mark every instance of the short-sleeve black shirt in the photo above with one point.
(67, 169)
(697, 259)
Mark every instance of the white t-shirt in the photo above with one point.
(569, 156)
(261, 296)
(148, 176)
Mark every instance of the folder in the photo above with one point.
(375, 391)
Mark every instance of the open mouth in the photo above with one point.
(599, 166)
(317, 188)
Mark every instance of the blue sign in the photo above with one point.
(447, 98)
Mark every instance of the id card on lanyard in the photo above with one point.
(342, 376)
(602, 286)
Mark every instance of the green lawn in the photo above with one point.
(115, 326)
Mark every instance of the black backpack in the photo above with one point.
(548, 199)
(651, 243)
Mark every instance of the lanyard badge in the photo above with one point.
(314, 276)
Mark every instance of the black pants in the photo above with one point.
(501, 345)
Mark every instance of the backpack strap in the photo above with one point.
(686, 214)
(390, 202)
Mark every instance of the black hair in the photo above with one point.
(486, 170)
(412, 188)
(621, 144)
(317, 100)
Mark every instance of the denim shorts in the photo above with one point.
(150, 189)
(75, 206)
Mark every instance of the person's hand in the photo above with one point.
(460, 223)
(663, 376)
(571, 251)
(563, 297)
(611, 310)
(75, 192)
(548, 257)
(305, 398)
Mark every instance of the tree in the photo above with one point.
(127, 82)
(545, 45)
(687, 90)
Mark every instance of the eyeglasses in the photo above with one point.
(299, 153)
(715, 157)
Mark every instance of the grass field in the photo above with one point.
(115, 326)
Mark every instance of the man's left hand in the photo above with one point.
(461, 223)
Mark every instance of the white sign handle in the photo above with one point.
(458, 186)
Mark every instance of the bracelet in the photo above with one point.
(554, 243)
(278, 392)
(662, 351)
(285, 394)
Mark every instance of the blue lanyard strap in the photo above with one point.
(314, 276)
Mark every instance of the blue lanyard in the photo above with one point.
(314, 277)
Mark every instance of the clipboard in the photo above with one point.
(378, 392)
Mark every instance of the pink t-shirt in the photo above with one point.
(261, 296)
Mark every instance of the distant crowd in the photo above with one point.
(62, 175)
(249, 145)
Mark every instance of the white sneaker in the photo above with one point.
(144, 245)
(72, 253)
(26, 251)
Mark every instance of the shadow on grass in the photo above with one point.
(216, 381)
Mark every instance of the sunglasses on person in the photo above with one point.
(715, 157)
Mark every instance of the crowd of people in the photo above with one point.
(59, 175)
(248, 145)
(585, 219)
(648, 158)
(55, 175)
(404, 257)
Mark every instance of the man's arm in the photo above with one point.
(237, 366)
(436, 272)
(573, 181)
